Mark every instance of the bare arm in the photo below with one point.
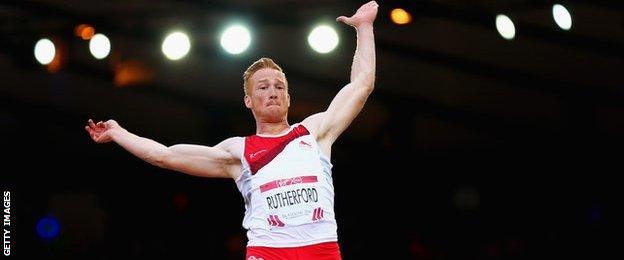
(364, 58)
(350, 100)
(203, 161)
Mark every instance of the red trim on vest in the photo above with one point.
(259, 150)
(285, 182)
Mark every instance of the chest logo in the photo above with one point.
(304, 145)
(253, 155)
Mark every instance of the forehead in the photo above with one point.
(267, 73)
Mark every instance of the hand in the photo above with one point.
(364, 16)
(102, 131)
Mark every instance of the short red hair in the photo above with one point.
(257, 65)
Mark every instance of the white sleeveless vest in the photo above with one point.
(288, 191)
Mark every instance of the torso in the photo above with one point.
(287, 186)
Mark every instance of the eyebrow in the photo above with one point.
(265, 80)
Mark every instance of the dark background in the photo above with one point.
(471, 146)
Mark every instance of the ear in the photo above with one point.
(247, 100)
(288, 100)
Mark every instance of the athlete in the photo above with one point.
(283, 171)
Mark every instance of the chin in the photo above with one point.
(275, 115)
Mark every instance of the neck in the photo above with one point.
(271, 128)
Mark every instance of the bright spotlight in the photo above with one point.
(44, 51)
(84, 31)
(176, 45)
(562, 17)
(323, 39)
(235, 39)
(99, 45)
(400, 16)
(505, 27)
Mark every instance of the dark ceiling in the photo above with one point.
(449, 67)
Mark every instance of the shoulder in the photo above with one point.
(233, 145)
(313, 122)
(233, 140)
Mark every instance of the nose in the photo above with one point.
(272, 93)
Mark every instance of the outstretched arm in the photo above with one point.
(364, 59)
(350, 100)
(196, 160)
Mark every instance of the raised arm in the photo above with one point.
(350, 100)
(203, 161)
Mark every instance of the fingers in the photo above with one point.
(344, 19)
(91, 132)
(96, 126)
(91, 124)
(91, 128)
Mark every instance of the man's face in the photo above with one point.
(267, 97)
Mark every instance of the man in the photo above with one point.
(283, 171)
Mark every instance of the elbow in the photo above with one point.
(366, 81)
(160, 158)
(370, 86)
